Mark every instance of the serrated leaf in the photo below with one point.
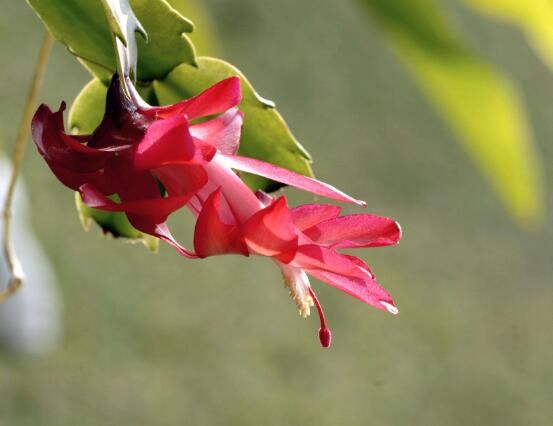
(204, 37)
(82, 26)
(84, 116)
(534, 17)
(476, 100)
(265, 135)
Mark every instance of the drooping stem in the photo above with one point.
(15, 269)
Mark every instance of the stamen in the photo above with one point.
(297, 283)
(325, 336)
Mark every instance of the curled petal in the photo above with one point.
(287, 177)
(366, 290)
(212, 235)
(215, 100)
(270, 232)
(165, 141)
(309, 215)
(57, 147)
(222, 132)
(361, 230)
(162, 232)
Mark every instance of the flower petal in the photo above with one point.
(222, 132)
(158, 208)
(162, 232)
(180, 179)
(215, 100)
(57, 147)
(309, 215)
(212, 235)
(74, 180)
(270, 232)
(360, 230)
(165, 141)
(287, 177)
(366, 290)
(312, 256)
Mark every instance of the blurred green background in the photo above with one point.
(159, 340)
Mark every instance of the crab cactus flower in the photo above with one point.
(155, 161)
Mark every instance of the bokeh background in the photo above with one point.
(159, 340)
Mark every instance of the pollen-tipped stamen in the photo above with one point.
(325, 335)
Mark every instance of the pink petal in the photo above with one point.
(309, 215)
(212, 235)
(366, 290)
(214, 100)
(222, 132)
(353, 231)
(270, 232)
(311, 256)
(165, 141)
(162, 232)
(287, 177)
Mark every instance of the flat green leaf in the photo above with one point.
(534, 17)
(85, 115)
(475, 99)
(82, 26)
(265, 135)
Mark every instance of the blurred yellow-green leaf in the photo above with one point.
(478, 102)
(534, 17)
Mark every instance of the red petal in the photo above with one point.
(74, 180)
(366, 290)
(165, 141)
(309, 215)
(215, 100)
(64, 150)
(158, 208)
(287, 177)
(353, 231)
(311, 256)
(270, 232)
(212, 235)
(181, 179)
(222, 132)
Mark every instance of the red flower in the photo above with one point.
(139, 149)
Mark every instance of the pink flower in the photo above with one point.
(158, 159)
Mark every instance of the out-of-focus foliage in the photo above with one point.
(476, 99)
(534, 17)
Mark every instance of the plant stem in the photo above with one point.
(17, 276)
